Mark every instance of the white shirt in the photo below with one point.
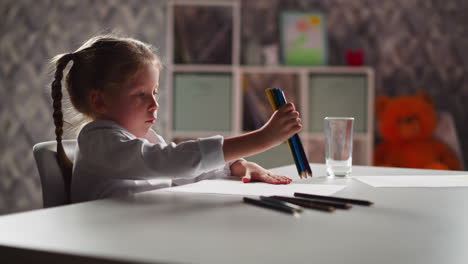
(111, 161)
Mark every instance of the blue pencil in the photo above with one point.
(297, 140)
(293, 140)
(277, 99)
(275, 102)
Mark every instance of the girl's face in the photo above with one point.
(135, 107)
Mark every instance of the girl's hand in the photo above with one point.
(252, 172)
(283, 124)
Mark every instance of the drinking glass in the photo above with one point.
(338, 145)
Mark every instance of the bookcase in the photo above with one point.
(210, 93)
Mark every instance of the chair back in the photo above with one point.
(53, 186)
(446, 132)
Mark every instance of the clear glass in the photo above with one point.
(339, 145)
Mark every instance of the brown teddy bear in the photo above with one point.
(407, 124)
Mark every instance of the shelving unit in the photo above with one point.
(226, 98)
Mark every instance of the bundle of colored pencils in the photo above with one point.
(277, 99)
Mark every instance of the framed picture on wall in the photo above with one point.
(303, 38)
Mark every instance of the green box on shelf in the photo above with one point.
(337, 95)
(275, 157)
(202, 102)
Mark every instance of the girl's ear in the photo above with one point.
(98, 103)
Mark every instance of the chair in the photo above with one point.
(446, 132)
(53, 187)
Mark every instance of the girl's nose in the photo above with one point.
(154, 104)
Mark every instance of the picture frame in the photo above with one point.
(303, 38)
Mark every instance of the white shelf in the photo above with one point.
(310, 69)
(363, 139)
(203, 68)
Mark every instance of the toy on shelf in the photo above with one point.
(355, 57)
(407, 125)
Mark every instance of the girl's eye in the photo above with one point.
(142, 94)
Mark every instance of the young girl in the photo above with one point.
(114, 82)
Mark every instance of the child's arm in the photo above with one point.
(283, 124)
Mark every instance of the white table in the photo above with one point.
(405, 225)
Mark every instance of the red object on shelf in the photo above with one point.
(355, 57)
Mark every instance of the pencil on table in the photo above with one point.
(334, 199)
(306, 204)
(338, 205)
(271, 205)
(282, 202)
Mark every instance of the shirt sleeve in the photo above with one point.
(137, 159)
(221, 173)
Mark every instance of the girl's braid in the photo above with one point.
(64, 162)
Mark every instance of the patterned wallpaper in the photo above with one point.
(412, 44)
(31, 33)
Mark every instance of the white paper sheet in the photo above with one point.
(256, 188)
(415, 181)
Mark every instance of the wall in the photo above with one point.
(412, 44)
(31, 33)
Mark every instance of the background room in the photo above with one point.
(222, 55)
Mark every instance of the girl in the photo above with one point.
(114, 81)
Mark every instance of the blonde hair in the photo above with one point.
(103, 63)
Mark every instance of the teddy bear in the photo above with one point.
(406, 125)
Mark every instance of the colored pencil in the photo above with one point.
(282, 202)
(300, 201)
(274, 104)
(277, 99)
(296, 141)
(270, 205)
(334, 199)
(307, 204)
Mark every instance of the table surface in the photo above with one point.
(405, 225)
